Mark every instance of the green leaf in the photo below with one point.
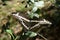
(9, 31)
(31, 34)
(33, 15)
(32, 1)
(34, 9)
(39, 4)
(36, 15)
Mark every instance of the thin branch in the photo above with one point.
(35, 26)
(18, 16)
(39, 22)
(45, 22)
(42, 36)
(25, 26)
(34, 21)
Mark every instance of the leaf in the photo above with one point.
(34, 9)
(9, 31)
(31, 15)
(36, 15)
(32, 1)
(39, 4)
(31, 34)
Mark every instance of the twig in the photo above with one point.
(45, 22)
(39, 22)
(18, 16)
(34, 21)
(42, 36)
(35, 26)
(23, 24)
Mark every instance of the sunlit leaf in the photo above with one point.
(39, 4)
(34, 9)
(31, 34)
(9, 31)
(31, 15)
(36, 15)
(32, 1)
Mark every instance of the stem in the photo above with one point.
(35, 25)
(42, 36)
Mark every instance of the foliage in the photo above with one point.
(30, 34)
